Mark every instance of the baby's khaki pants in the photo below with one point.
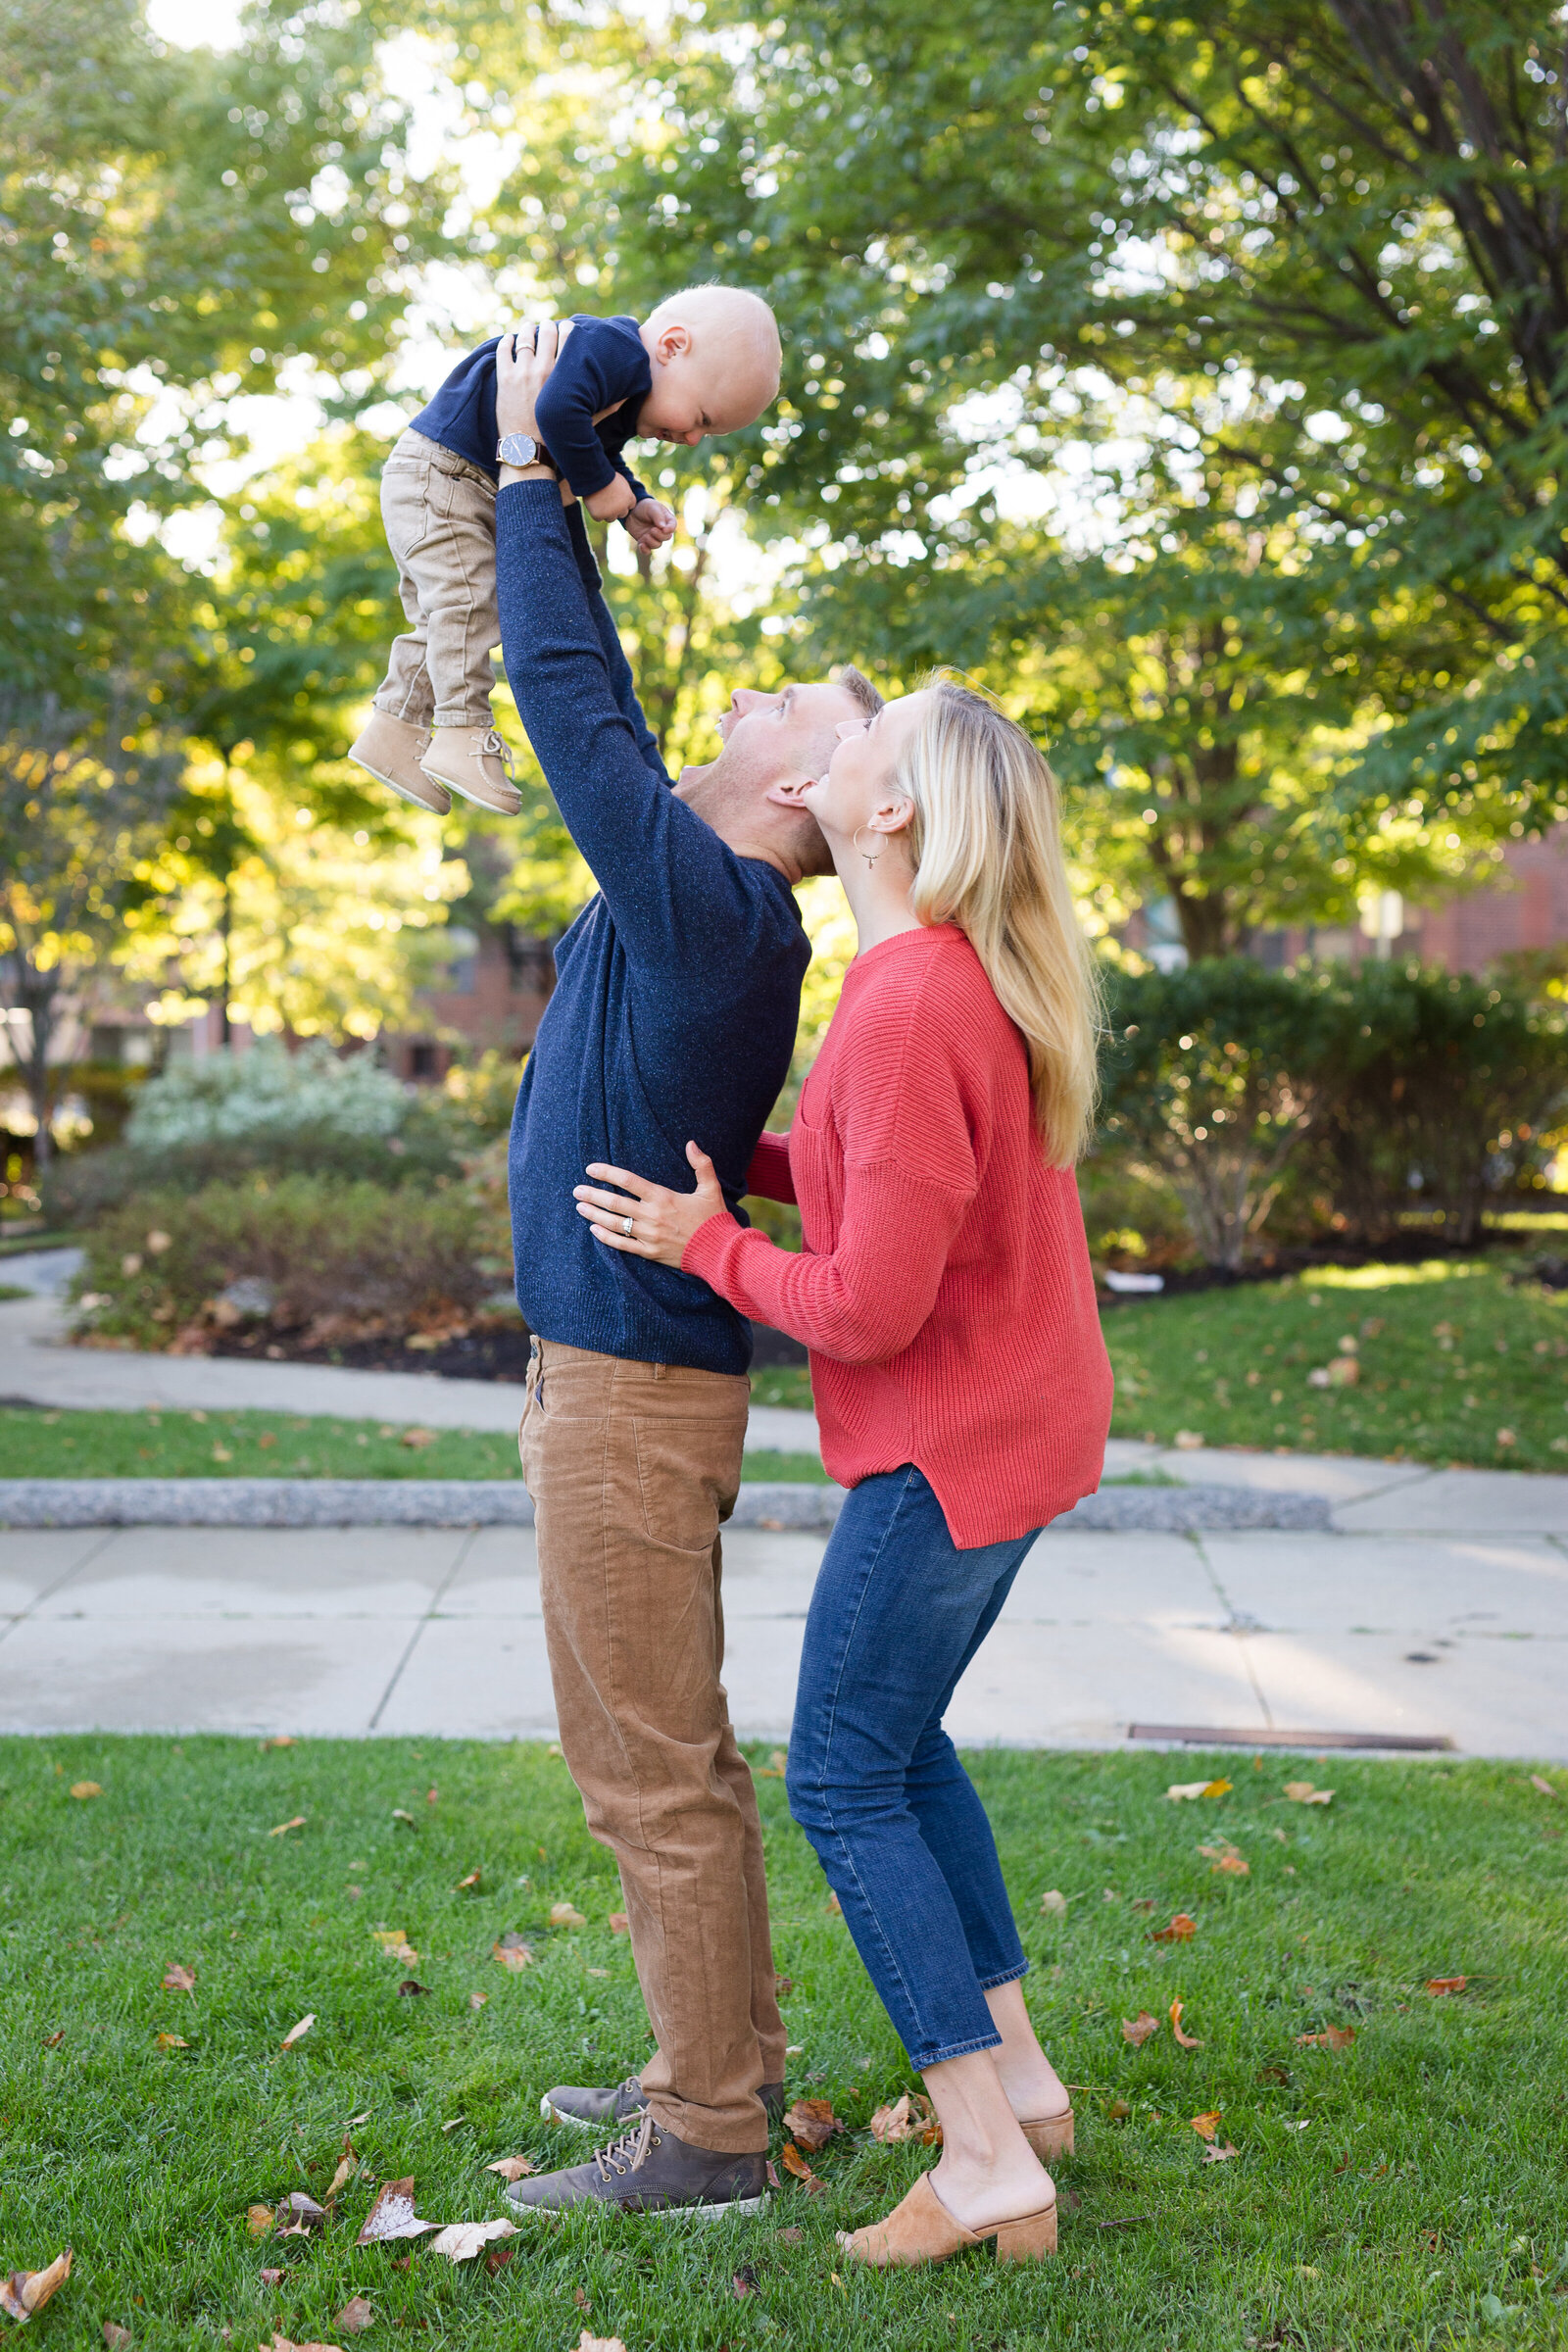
(631, 1468)
(440, 518)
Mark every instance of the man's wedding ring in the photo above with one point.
(626, 1227)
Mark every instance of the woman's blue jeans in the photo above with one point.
(874, 1781)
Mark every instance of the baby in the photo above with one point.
(703, 362)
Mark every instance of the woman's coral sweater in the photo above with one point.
(945, 1289)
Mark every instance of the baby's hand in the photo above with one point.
(650, 524)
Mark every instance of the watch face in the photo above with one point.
(517, 448)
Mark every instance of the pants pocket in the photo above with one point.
(406, 509)
(684, 1490)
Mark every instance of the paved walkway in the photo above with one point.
(1433, 1607)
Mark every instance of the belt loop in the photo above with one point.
(659, 1370)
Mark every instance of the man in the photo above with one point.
(673, 1016)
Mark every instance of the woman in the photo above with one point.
(960, 1381)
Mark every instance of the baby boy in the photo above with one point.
(703, 362)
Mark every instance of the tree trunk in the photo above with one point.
(1205, 925)
(35, 996)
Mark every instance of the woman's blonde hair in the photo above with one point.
(987, 846)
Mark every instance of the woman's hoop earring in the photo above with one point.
(866, 854)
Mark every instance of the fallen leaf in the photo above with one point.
(1536, 1781)
(23, 2292)
(1108, 1894)
(280, 2343)
(1272, 2073)
(835, 1906)
(456, 2124)
(396, 1945)
(618, 1924)
(1137, 2030)
(598, 2343)
(477, 2000)
(1182, 1930)
(272, 2278)
(513, 1952)
(298, 2033)
(1218, 2155)
(432, 1796)
(1303, 1793)
(1183, 1792)
(180, 1979)
(794, 2162)
(497, 2256)
(461, 2241)
(744, 2283)
(116, 2338)
(1054, 1903)
(1188, 1441)
(1206, 2125)
(298, 2215)
(813, 2122)
(1441, 1985)
(566, 1915)
(280, 1739)
(1225, 1857)
(1189, 2042)
(80, 1790)
(1144, 1903)
(355, 2317)
(581, 2298)
(258, 2219)
(418, 1439)
(52, 2041)
(910, 2116)
(283, 1826)
(1332, 2037)
(1119, 2111)
(393, 2214)
(791, 2236)
(510, 2167)
(398, 1814)
(410, 1985)
(472, 1880)
(173, 2041)
(347, 2164)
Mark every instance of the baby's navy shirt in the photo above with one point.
(602, 362)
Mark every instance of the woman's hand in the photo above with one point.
(645, 1219)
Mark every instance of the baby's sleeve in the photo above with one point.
(580, 385)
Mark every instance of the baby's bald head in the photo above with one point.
(714, 353)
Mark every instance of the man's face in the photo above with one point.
(772, 738)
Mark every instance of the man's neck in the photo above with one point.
(746, 845)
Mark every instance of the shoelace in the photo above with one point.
(496, 747)
(624, 2155)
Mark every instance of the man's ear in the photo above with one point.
(786, 792)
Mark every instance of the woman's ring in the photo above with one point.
(626, 1227)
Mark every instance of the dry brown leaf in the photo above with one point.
(1442, 1984)
(396, 1945)
(461, 2241)
(418, 1439)
(477, 2000)
(279, 1739)
(280, 2343)
(1144, 1903)
(598, 2343)
(510, 2167)
(513, 1952)
(1332, 2037)
(794, 2162)
(498, 2255)
(566, 1915)
(393, 2214)
(813, 2122)
(1189, 2042)
(173, 2041)
(1185, 1791)
(910, 2116)
(298, 2033)
(1218, 2155)
(272, 2278)
(1182, 1930)
(258, 2219)
(81, 1790)
(400, 1813)
(347, 2166)
(618, 1924)
(742, 2282)
(835, 1906)
(580, 2299)
(472, 1880)
(791, 2236)
(1224, 1856)
(1537, 1781)
(1206, 2124)
(52, 2041)
(1119, 2111)
(283, 1826)
(1303, 1793)
(23, 2292)
(1054, 1903)
(118, 2337)
(355, 2317)
(409, 1987)
(1137, 2030)
(298, 2215)
(180, 1979)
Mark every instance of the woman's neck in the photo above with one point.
(878, 889)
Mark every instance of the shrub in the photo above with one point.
(306, 1253)
(266, 1093)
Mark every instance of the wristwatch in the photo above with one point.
(520, 449)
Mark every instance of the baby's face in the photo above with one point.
(693, 395)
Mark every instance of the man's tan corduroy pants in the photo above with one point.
(632, 1467)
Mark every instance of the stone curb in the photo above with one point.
(504, 1503)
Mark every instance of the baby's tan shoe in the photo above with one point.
(390, 750)
(475, 763)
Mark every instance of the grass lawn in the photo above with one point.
(1404, 2189)
(198, 1445)
(1457, 1363)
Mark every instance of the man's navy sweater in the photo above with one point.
(602, 365)
(678, 989)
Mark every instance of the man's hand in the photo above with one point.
(523, 363)
(661, 1222)
(650, 524)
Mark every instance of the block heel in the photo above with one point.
(1050, 2135)
(1030, 2239)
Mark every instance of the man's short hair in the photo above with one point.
(856, 682)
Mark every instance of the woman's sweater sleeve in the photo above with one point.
(769, 1175)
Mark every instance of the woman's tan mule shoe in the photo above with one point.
(1050, 2135)
(920, 2228)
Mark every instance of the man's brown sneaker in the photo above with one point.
(647, 2170)
(476, 763)
(593, 2110)
(390, 750)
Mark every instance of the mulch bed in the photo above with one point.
(494, 1355)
